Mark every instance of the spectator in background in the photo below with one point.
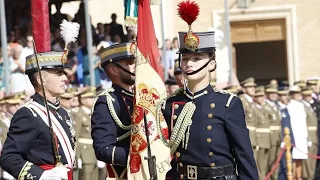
(175, 47)
(274, 82)
(96, 65)
(1, 75)
(57, 43)
(73, 64)
(115, 28)
(107, 31)
(80, 16)
(100, 31)
(169, 58)
(116, 39)
(17, 68)
(26, 51)
(57, 17)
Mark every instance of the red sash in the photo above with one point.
(112, 173)
(48, 167)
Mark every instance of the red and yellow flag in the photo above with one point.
(149, 90)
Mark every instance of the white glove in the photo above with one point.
(57, 173)
(282, 144)
(101, 164)
(79, 164)
(7, 176)
(309, 144)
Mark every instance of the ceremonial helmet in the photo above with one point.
(194, 42)
(115, 53)
(53, 60)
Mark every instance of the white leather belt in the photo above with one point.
(251, 128)
(312, 128)
(274, 128)
(263, 130)
(85, 141)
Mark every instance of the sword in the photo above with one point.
(57, 156)
(151, 159)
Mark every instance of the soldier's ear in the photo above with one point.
(44, 75)
(113, 70)
(38, 79)
(212, 65)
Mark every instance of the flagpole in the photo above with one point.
(4, 46)
(163, 37)
(89, 42)
(228, 40)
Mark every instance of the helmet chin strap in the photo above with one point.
(198, 70)
(125, 70)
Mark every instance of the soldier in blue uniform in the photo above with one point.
(208, 133)
(283, 94)
(28, 152)
(111, 117)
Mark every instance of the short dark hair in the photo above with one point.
(33, 79)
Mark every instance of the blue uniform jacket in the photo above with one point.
(29, 144)
(285, 122)
(105, 130)
(218, 134)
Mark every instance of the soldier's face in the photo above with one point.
(130, 65)
(296, 96)
(250, 90)
(259, 99)
(179, 79)
(284, 99)
(193, 62)
(88, 102)
(65, 102)
(307, 98)
(272, 96)
(314, 88)
(12, 108)
(74, 102)
(54, 81)
(172, 89)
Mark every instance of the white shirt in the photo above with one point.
(298, 120)
(248, 98)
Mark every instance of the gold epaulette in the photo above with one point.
(221, 91)
(105, 92)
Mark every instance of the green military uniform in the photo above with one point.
(262, 134)
(85, 151)
(310, 164)
(3, 129)
(274, 116)
(249, 110)
(73, 115)
(232, 89)
(301, 84)
(67, 96)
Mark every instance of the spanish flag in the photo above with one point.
(149, 90)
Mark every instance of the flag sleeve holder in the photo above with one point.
(151, 159)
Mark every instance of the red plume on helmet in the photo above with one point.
(189, 11)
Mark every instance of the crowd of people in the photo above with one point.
(20, 46)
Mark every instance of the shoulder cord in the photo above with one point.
(114, 115)
(183, 124)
